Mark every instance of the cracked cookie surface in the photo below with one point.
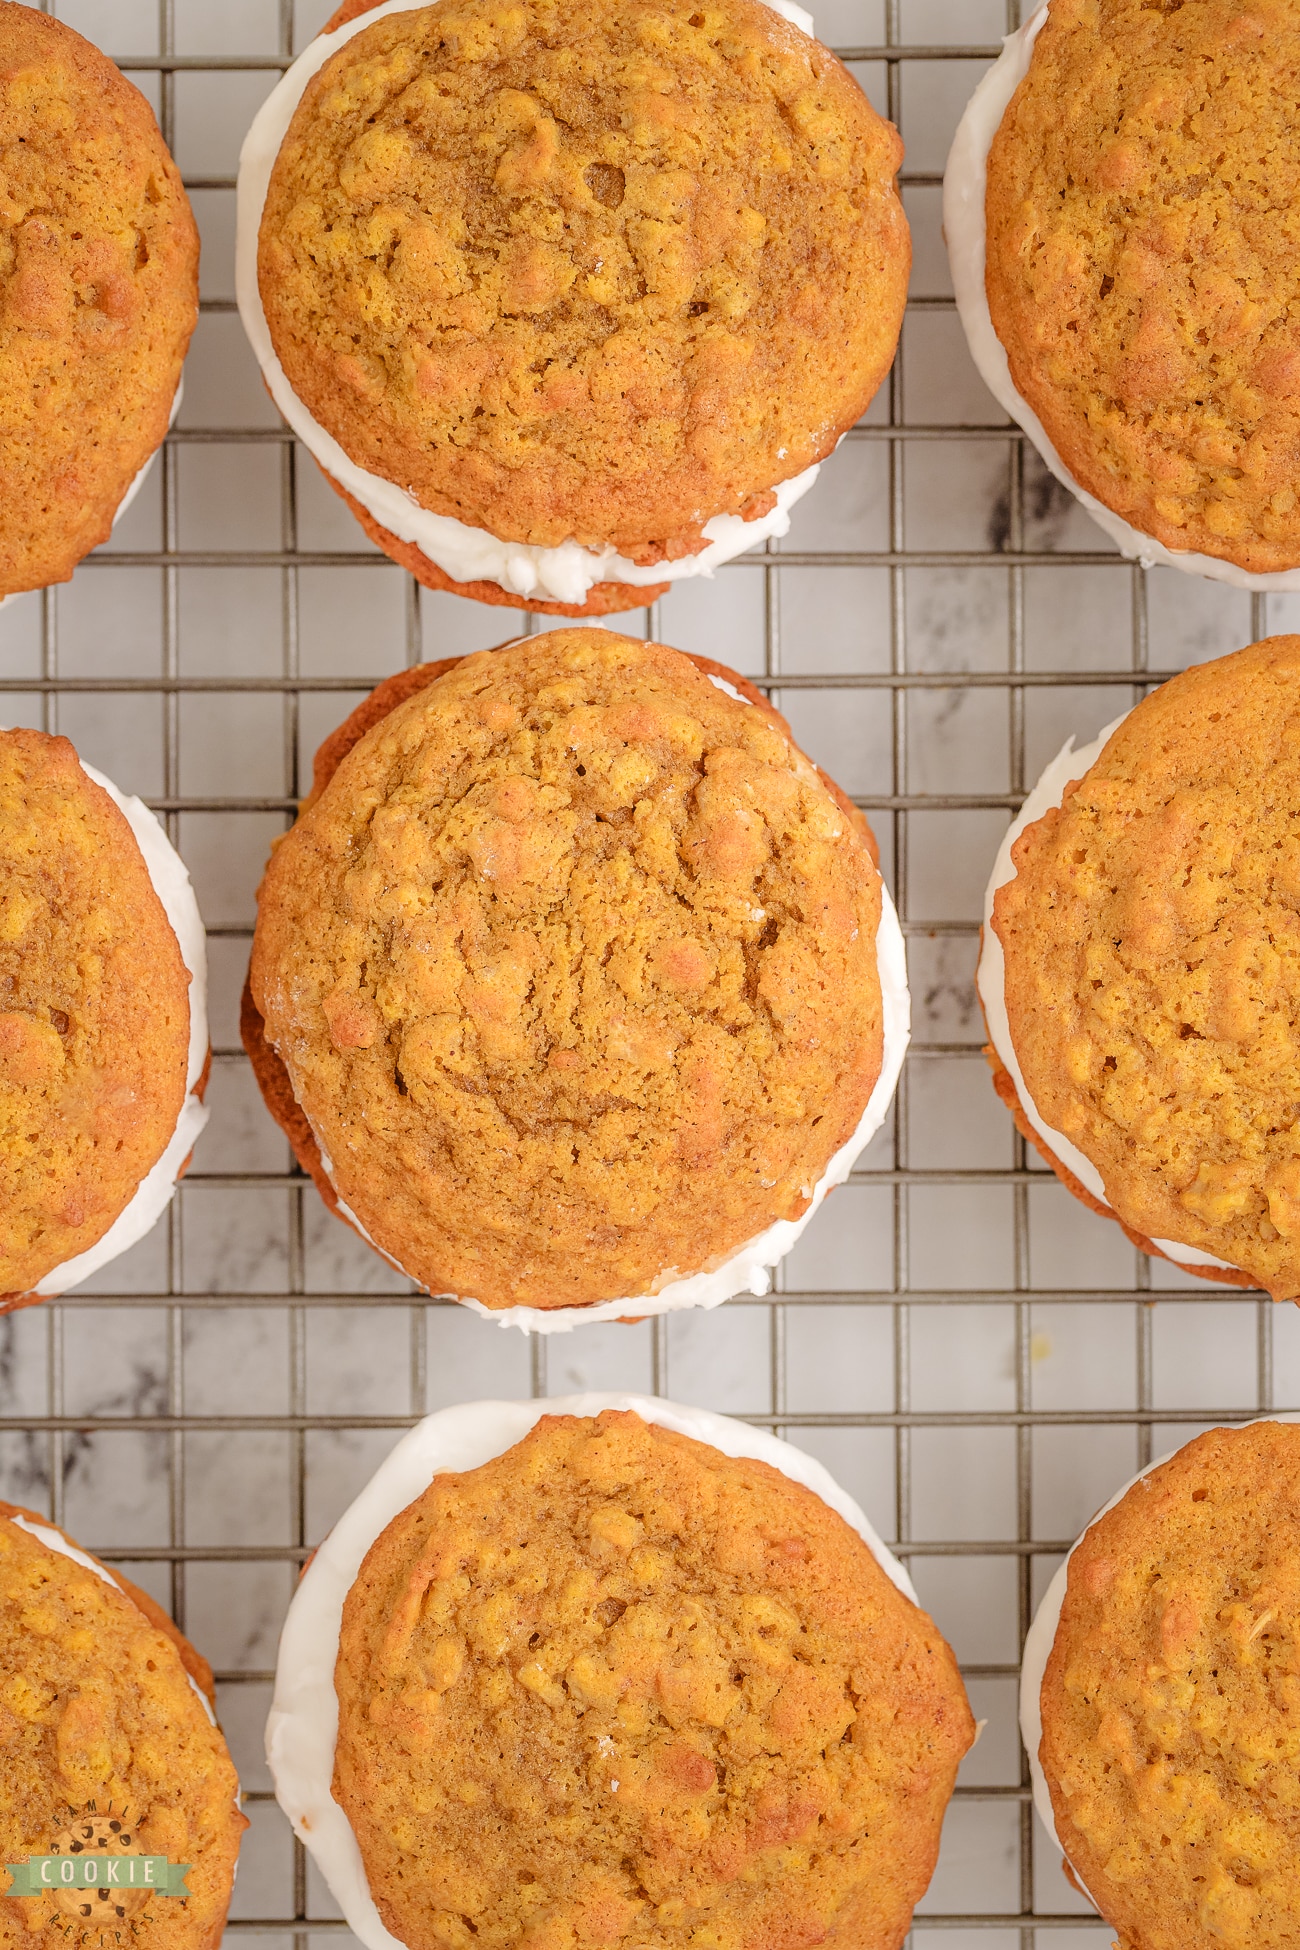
(572, 272)
(615, 1687)
(572, 964)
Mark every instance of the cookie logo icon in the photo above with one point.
(108, 1834)
(97, 1876)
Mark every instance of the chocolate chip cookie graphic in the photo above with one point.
(92, 1833)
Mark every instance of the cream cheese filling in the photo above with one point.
(564, 574)
(748, 1269)
(171, 882)
(302, 1729)
(964, 185)
(990, 979)
(54, 1540)
(1039, 1641)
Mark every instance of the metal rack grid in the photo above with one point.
(1062, 1331)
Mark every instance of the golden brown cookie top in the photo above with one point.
(1152, 962)
(1142, 270)
(94, 1011)
(99, 1722)
(566, 271)
(1170, 1738)
(1152, 943)
(615, 1687)
(98, 294)
(573, 968)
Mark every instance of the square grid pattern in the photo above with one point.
(978, 1359)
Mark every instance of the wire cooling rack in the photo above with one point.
(977, 1358)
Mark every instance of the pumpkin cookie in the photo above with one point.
(567, 300)
(108, 1749)
(620, 1684)
(98, 294)
(103, 1030)
(1140, 273)
(1157, 1703)
(1141, 982)
(572, 969)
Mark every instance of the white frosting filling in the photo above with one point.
(54, 1540)
(302, 1729)
(171, 883)
(990, 979)
(964, 185)
(1039, 1641)
(565, 574)
(729, 689)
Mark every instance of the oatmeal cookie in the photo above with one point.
(571, 964)
(94, 1012)
(98, 294)
(615, 1687)
(1142, 273)
(1170, 1741)
(102, 1720)
(1152, 944)
(565, 273)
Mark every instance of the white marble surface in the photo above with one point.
(285, 1316)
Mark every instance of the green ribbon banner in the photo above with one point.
(45, 1875)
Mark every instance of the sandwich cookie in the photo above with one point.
(98, 296)
(569, 304)
(120, 1818)
(1137, 969)
(1154, 1702)
(103, 1019)
(607, 1669)
(1115, 210)
(576, 986)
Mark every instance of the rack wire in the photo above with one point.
(215, 1372)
